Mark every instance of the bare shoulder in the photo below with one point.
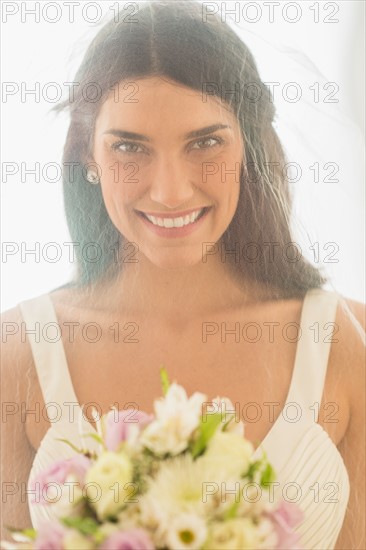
(11, 334)
(19, 382)
(348, 353)
(17, 385)
(357, 309)
(82, 299)
(16, 356)
(349, 357)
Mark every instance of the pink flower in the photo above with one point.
(285, 519)
(50, 536)
(119, 425)
(133, 539)
(56, 475)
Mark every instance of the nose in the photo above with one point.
(170, 183)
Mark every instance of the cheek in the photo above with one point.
(121, 181)
(221, 179)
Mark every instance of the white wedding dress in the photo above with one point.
(309, 467)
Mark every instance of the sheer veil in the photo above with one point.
(325, 152)
(324, 147)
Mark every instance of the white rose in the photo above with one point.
(70, 503)
(112, 474)
(227, 455)
(234, 534)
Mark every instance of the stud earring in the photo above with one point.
(92, 177)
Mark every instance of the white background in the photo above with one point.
(328, 212)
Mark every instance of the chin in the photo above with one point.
(174, 259)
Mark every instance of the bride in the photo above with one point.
(177, 186)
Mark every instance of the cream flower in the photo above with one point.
(112, 475)
(70, 503)
(256, 500)
(75, 539)
(233, 534)
(186, 532)
(177, 416)
(268, 535)
(227, 455)
(154, 519)
(177, 488)
(107, 529)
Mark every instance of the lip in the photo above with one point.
(174, 214)
(174, 232)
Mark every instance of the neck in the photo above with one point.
(178, 294)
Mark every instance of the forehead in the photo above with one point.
(156, 102)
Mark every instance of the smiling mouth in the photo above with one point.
(180, 221)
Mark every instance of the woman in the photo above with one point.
(178, 188)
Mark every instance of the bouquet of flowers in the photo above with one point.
(183, 478)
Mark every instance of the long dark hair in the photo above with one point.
(175, 41)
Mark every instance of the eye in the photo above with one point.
(129, 147)
(210, 142)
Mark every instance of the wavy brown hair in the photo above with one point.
(173, 40)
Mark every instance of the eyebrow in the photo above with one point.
(194, 134)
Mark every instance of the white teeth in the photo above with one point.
(174, 222)
(168, 222)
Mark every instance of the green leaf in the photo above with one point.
(86, 526)
(224, 429)
(30, 533)
(95, 436)
(85, 452)
(164, 380)
(254, 466)
(206, 430)
(81, 451)
(268, 475)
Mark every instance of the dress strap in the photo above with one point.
(317, 332)
(45, 338)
